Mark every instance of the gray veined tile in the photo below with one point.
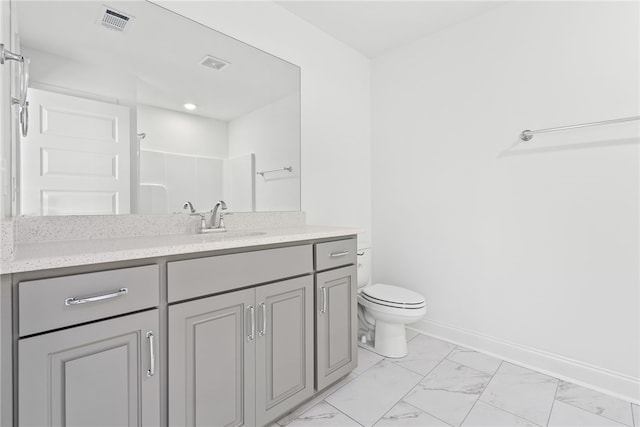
(485, 415)
(424, 354)
(323, 414)
(564, 415)
(291, 416)
(595, 402)
(407, 415)
(475, 360)
(636, 414)
(449, 391)
(370, 395)
(523, 392)
(366, 359)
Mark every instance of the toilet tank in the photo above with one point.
(364, 264)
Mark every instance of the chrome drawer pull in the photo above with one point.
(73, 301)
(323, 310)
(252, 321)
(152, 359)
(263, 308)
(339, 254)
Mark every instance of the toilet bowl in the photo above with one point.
(385, 310)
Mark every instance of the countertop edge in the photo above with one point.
(89, 252)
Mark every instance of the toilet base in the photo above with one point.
(390, 339)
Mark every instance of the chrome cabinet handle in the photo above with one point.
(263, 330)
(75, 301)
(152, 359)
(252, 321)
(324, 300)
(361, 253)
(338, 254)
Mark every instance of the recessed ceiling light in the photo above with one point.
(190, 106)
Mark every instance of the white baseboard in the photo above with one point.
(604, 380)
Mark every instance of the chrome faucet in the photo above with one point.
(220, 205)
(188, 205)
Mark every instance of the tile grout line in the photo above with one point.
(425, 412)
(596, 415)
(511, 413)
(431, 370)
(412, 388)
(471, 367)
(342, 412)
(555, 396)
(480, 395)
(320, 396)
(599, 415)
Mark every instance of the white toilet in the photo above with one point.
(386, 309)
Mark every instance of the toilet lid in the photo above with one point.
(393, 296)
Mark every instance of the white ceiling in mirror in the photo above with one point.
(49, 27)
(377, 27)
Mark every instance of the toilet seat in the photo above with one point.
(393, 296)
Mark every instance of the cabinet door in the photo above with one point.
(96, 374)
(212, 361)
(337, 322)
(284, 347)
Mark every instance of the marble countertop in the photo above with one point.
(57, 254)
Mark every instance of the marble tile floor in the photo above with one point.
(444, 385)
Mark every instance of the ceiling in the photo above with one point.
(376, 27)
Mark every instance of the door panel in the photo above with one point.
(75, 159)
(336, 324)
(211, 362)
(91, 375)
(284, 347)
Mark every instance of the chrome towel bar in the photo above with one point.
(526, 135)
(286, 168)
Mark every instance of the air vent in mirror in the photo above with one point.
(213, 62)
(114, 19)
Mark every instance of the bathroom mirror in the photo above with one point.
(136, 109)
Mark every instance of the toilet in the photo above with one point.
(384, 310)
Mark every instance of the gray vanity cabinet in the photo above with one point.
(241, 358)
(97, 373)
(336, 312)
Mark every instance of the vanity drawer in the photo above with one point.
(47, 304)
(204, 276)
(335, 254)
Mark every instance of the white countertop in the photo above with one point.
(47, 255)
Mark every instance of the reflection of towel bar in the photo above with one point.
(286, 168)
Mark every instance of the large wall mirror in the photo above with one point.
(135, 109)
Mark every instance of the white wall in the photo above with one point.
(267, 132)
(528, 251)
(335, 86)
(182, 133)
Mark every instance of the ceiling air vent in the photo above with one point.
(114, 19)
(213, 62)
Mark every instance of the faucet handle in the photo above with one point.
(203, 222)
